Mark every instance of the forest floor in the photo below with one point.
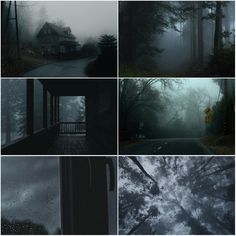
(126, 71)
(219, 144)
(16, 68)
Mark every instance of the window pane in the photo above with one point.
(38, 105)
(30, 195)
(13, 109)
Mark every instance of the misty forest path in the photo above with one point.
(171, 146)
(72, 68)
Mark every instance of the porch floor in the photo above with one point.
(69, 144)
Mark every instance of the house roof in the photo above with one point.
(62, 31)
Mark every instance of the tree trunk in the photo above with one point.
(131, 34)
(200, 35)
(134, 159)
(218, 28)
(194, 35)
(227, 24)
(196, 227)
(139, 224)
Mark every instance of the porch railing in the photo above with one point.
(72, 128)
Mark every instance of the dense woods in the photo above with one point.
(157, 108)
(176, 195)
(176, 38)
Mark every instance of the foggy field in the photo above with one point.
(171, 116)
(178, 38)
(176, 195)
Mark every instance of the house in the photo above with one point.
(56, 40)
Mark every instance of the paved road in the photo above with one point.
(72, 68)
(174, 146)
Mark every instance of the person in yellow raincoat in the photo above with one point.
(208, 118)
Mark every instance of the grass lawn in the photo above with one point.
(16, 68)
(220, 144)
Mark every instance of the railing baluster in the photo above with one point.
(72, 127)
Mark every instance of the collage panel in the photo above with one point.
(170, 116)
(58, 195)
(59, 116)
(59, 38)
(177, 195)
(176, 38)
(118, 117)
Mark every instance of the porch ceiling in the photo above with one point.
(73, 87)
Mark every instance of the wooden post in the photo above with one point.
(45, 108)
(30, 106)
(51, 109)
(58, 109)
(55, 109)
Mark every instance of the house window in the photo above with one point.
(62, 49)
(13, 109)
(30, 202)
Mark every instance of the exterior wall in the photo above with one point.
(54, 44)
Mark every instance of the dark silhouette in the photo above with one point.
(21, 227)
(106, 62)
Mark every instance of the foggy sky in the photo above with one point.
(30, 190)
(86, 19)
(205, 84)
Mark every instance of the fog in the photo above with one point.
(72, 109)
(86, 19)
(177, 38)
(187, 101)
(173, 108)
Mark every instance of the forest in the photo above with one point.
(177, 195)
(85, 47)
(176, 38)
(174, 108)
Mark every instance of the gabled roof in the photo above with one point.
(59, 30)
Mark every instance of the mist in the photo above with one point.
(176, 38)
(174, 116)
(59, 38)
(86, 19)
